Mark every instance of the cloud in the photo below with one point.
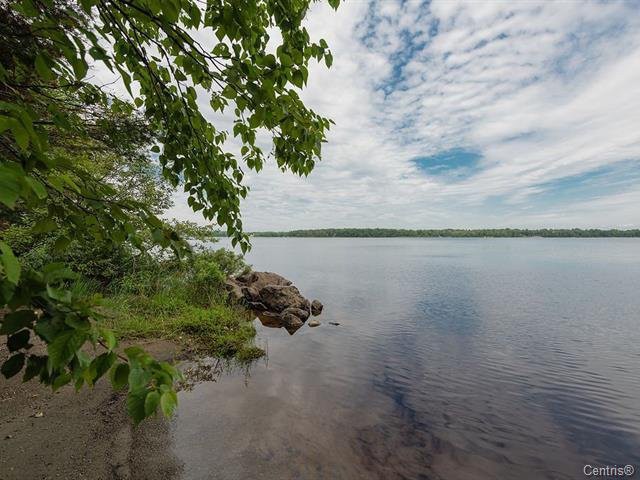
(545, 94)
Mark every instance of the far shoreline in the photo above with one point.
(447, 233)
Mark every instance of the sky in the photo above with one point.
(466, 114)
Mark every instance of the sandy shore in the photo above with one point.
(85, 435)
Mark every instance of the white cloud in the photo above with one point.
(543, 91)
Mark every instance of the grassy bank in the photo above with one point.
(183, 301)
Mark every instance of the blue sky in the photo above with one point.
(467, 114)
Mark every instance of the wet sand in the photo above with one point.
(85, 435)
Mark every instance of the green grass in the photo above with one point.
(187, 305)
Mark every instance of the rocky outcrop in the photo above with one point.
(274, 297)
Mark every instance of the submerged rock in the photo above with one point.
(274, 297)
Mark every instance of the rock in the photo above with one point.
(298, 312)
(257, 306)
(313, 323)
(277, 298)
(235, 291)
(316, 308)
(251, 294)
(258, 280)
(272, 295)
(290, 320)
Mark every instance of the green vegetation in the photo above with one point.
(451, 232)
(84, 175)
(184, 301)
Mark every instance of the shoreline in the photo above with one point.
(81, 435)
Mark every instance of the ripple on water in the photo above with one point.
(478, 359)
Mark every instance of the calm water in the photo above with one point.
(454, 359)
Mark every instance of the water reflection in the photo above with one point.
(199, 371)
(455, 359)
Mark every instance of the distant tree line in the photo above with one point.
(453, 232)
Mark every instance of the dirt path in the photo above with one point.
(85, 435)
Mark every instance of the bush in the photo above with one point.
(149, 294)
(207, 278)
(92, 260)
(227, 261)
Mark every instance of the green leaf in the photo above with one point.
(35, 365)
(45, 330)
(285, 59)
(61, 380)
(19, 340)
(135, 406)
(70, 183)
(170, 369)
(179, 76)
(56, 271)
(100, 365)
(138, 378)
(84, 360)
(297, 79)
(151, 403)
(64, 346)
(12, 322)
(12, 366)
(10, 263)
(37, 187)
(119, 375)
(109, 338)
(134, 352)
(44, 226)
(61, 244)
(229, 92)
(80, 67)
(5, 123)
(328, 59)
(59, 294)
(21, 135)
(168, 403)
(42, 67)
(170, 11)
(10, 187)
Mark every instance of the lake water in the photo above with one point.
(454, 359)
